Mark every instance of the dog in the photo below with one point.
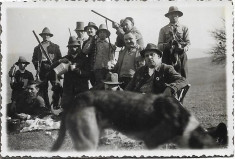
(153, 119)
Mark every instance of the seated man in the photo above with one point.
(156, 77)
(30, 102)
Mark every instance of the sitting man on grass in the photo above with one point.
(156, 77)
(30, 102)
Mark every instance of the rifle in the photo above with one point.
(43, 50)
(103, 16)
(12, 74)
(37, 72)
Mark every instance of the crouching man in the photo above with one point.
(30, 102)
(156, 77)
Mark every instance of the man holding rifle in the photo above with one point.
(174, 35)
(44, 55)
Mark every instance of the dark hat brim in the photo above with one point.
(73, 45)
(47, 34)
(94, 26)
(17, 63)
(179, 13)
(103, 29)
(159, 52)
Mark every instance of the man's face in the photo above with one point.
(32, 90)
(22, 66)
(46, 37)
(127, 25)
(102, 34)
(173, 17)
(130, 40)
(73, 50)
(152, 59)
(91, 31)
(80, 33)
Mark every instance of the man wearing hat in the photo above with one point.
(174, 35)
(156, 77)
(104, 55)
(77, 76)
(129, 59)
(80, 32)
(89, 47)
(42, 65)
(126, 26)
(20, 79)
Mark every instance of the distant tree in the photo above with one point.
(218, 51)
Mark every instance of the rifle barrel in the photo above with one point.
(103, 16)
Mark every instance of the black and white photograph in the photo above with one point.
(117, 78)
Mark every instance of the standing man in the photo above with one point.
(126, 26)
(19, 80)
(80, 33)
(129, 60)
(156, 77)
(89, 47)
(174, 42)
(76, 79)
(42, 65)
(104, 57)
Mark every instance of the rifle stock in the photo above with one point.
(43, 50)
(103, 16)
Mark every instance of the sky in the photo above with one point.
(20, 19)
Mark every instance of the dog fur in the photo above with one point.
(154, 119)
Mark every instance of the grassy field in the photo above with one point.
(206, 99)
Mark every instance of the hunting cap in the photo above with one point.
(130, 19)
(80, 26)
(46, 31)
(91, 24)
(103, 27)
(73, 41)
(22, 60)
(173, 9)
(112, 78)
(151, 47)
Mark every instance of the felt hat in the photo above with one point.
(173, 9)
(112, 78)
(46, 31)
(22, 60)
(80, 26)
(151, 47)
(91, 24)
(103, 27)
(73, 41)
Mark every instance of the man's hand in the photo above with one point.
(168, 91)
(115, 25)
(64, 60)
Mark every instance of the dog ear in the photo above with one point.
(168, 108)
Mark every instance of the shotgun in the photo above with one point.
(103, 16)
(43, 50)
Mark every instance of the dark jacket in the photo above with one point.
(53, 51)
(20, 78)
(165, 77)
(76, 81)
(120, 38)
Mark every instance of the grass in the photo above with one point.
(205, 99)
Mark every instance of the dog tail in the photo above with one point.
(61, 135)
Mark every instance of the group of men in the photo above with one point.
(150, 69)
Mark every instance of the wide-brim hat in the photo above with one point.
(112, 78)
(22, 60)
(130, 19)
(46, 31)
(103, 27)
(80, 26)
(91, 24)
(73, 41)
(174, 9)
(151, 47)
